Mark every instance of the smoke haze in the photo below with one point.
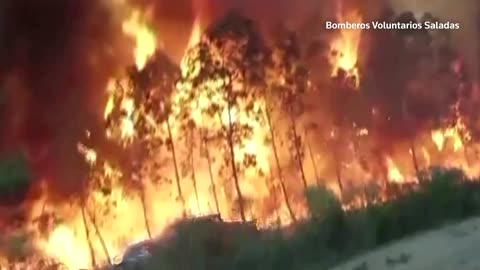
(56, 56)
(466, 12)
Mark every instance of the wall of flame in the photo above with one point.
(133, 35)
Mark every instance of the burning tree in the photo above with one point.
(217, 93)
(143, 116)
(293, 82)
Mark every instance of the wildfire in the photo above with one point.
(458, 133)
(394, 173)
(345, 47)
(145, 39)
(439, 137)
(121, 93)
(221, 142)
(196, 33)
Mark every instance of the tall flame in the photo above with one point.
(345, 46)
(196, 33)
(145, 39)
(394, 173)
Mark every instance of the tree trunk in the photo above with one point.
(415, 160)
(298, 156)
(192, 165)
(100, 237)
(337, 164)
(314, 164)
(177, 174)
(210, 173)
(277, 162)
(87, 235)
(144, 210)
(234, 167)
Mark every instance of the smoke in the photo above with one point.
(467, 39)
(174, 19)
(56, 58)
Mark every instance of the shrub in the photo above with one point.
(15, 178)
(328, 237)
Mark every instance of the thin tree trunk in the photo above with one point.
(234, 167)
(314, 164)
(415, 160)
(271, 186)
(136, 166)
(87, 235)
(144, 210)
(465, 153)
(338, 172)
(100, 237)
(337, 164)
(177, 174)
(210, 172)
(192, 165)
(277, 162)
(298, 156)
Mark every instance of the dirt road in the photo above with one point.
(454, 247)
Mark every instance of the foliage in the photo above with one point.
(14, 177)
(204, 244)
(322, 203)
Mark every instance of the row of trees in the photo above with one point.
(232, 72)
(232, 86)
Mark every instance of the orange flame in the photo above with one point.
(107, 220)
(394, 173)
(145, 39)
(196, 33)
(345, 47)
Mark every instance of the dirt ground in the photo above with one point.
(453, 247)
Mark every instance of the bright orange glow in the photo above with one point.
(196, 33)
(457, 134)
(394, 173)
(440, 137)
(345, 46)
(145, 39)
(124, 130)
(180, 151)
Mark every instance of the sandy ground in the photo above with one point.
(454, 247)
